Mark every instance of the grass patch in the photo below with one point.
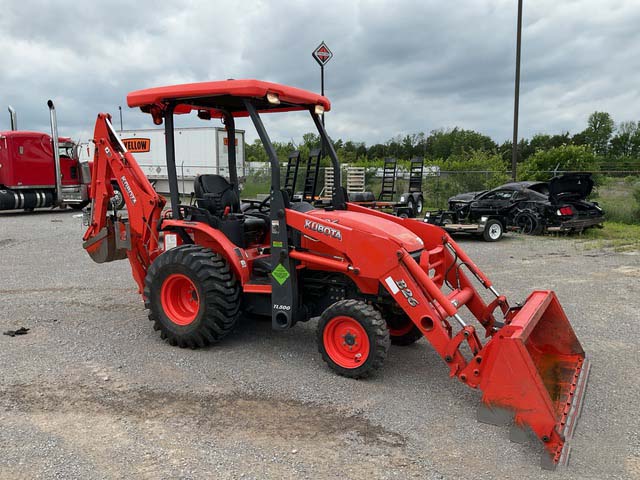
(618, 236)
(618, 199)
(256, 183)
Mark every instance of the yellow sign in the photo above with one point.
(137, 145)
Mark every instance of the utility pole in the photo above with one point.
(120, 108)
(516, 101)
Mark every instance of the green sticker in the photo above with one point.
(277, 244)
(280, 274)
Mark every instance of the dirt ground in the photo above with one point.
(91, 392)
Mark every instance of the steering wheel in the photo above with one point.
(259, 205)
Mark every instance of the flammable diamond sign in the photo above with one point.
(322, 54)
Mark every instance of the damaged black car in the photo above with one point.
(534, 207)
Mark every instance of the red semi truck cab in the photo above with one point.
(28, 172)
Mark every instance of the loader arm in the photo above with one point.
(110, 236)
(531, 367)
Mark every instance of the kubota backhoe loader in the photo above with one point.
(373, 279)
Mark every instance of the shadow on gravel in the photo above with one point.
(230, 414)
(37, 213)
(96, 423)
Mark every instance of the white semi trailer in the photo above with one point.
(199, 151)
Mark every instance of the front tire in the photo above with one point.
(192, 296)
(403, 332)
(353, 338)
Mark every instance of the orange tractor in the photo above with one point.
(373, 279)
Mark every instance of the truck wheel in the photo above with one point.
(411, 205)
(419, 206)
(118, 199)
(192, 296)
(402, 331)
(493, 230)
(353, 338)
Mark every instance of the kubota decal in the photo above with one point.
(137, 145)
(127, 188)
(318, 227)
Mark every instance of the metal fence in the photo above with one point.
(438, 185)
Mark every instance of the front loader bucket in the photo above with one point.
(534, 373)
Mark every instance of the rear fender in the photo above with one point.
(218, 242)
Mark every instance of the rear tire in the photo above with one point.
(353, 338)
(192, 296)
(528, 222)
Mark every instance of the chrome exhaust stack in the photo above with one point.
(56, 152)
(13, 117)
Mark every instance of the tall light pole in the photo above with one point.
(120, 108)
(516, 101)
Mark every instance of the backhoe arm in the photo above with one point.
(110, 236)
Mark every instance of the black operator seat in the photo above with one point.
(216, 195)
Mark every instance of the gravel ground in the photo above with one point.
(92, 392)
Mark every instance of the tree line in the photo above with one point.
(601, 145)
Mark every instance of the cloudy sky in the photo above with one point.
(399, 66)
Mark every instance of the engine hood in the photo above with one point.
(578, 186)
(373, 225)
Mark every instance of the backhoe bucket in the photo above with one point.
(534, 373)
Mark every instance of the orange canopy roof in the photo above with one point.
(227, 95)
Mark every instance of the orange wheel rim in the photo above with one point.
(346, 342)
(179, 298)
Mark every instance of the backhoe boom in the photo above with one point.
(112, 236)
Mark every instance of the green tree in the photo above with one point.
(566, 158)
(377, 151)
(625, 142)
(311, 140)
(444, 143)
(599, 131)
(255, 152)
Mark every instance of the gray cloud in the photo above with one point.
(399, 67)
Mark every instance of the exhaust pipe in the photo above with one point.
(14, 119)
(56, 152)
